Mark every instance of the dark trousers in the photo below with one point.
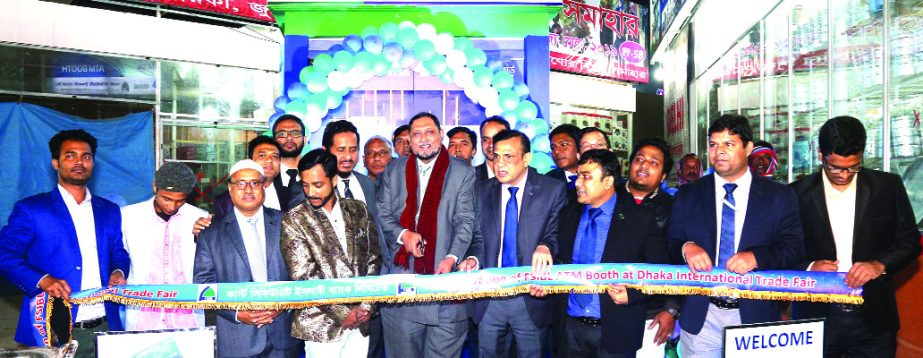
(507, 323)
(86, 339)
(582, 340)
(376, 343)
(847, 335)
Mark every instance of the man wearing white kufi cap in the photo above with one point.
(244, 247)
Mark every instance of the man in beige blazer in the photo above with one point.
(327, 237)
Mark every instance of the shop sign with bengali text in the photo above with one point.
(596, 38)
(249, 9)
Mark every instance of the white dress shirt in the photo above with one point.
(354, 187)
(568, 175)
(504, 198)
(271, 197)
(490, 170)
(841, 207)
(254, 245)
(85, 227)
(284, 176)
(143, 232)
(335, 216)
(741, 198)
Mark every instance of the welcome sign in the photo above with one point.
(803, 338)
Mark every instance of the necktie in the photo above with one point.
(572, 181)
(726, 245)
(255, 254)
(510, 228)
(292, 177)
(348, 194)
(587, 251)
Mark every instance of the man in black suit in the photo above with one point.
(341, 138)
(859, 221)
(603, 227)
(265, 151)
(519, 223)
(289, 131)
(564, 139)
(489, 127)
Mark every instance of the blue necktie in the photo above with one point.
(726, 246)
(571, 181)
(510, 228)
(587, 251)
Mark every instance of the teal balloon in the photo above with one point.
(368, 31)
(407, 37)
(317, 82)
(495, 64)
(482, 76)
(380, 65)
(542, 162)
(502, 80)
(388, 31)
(297, 90)
(541, 144)
(526, 109)
(373, 44)
(297, 106)
(303, 74)
(446, 77)
(527, 127)
(509, 101)
(424, 49)
(463, 43)
(316, 104)
(475, 56)
(323, 63)
(343, 61)
(353, 43)
(522, 90)
(436, 66)
(541, 126)
(363, 61)
(333, 100)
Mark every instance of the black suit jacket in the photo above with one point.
(633, 237)
(480, 171)
(370, 191)
(885, 230)
(288, 197)
(542, 201)
(558, 174)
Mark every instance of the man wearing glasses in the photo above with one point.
(289, 133)
(243, 246)
(859, 221)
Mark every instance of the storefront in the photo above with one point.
(789, 66)
(207, 79)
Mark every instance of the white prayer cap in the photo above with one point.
(246, 164)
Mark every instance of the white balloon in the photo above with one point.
(471, 93)
(493, 111)
(463, 77)
(405, 24)
(312, 122)
(456, 59)
(489, 97)
(419, 68)
(336, 80)
(426, 31)
(444, 43)
(354, 79)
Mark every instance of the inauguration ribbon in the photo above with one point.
(495, 282)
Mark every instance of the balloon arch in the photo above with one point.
(392, 48)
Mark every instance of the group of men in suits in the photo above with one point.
(293, 217)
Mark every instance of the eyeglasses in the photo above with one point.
(243, 184)
(381, 154)
(837, 170)
(285, 134)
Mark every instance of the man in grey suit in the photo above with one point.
(244, 247)
(341, 138)
(519, 224)
(427, 215)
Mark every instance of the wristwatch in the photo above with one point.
(673, 312)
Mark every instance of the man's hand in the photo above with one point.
(467, 265)
(537, 291)
(356, 317)
(862, 272)
(618, 293)
(541, 259)
(117, 278)
(825, 266)
(201, 224)
(665, 324)
(742, 262)
(256, 318)
(696, 257)
(445, 266)
(413, 243)
(57, 288)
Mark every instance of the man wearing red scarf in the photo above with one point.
(426, 208)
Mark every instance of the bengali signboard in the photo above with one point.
(81, 74)
(598, 38)
(248, 9)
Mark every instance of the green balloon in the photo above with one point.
(509, 100)
(363, 61)
(388, 31)
(502, 80)
(407, 37)
(371, 30)
(475, 56)
(343, 61)
(482, 76)
(425, 50)
(527, 110)
(317, 82)
(436, 66)
(323, 63)
(463, 43)
(305, 72)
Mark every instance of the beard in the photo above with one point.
(291, 153)
(325, 201)
(426, 157)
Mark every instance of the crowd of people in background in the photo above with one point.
(423, 208)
